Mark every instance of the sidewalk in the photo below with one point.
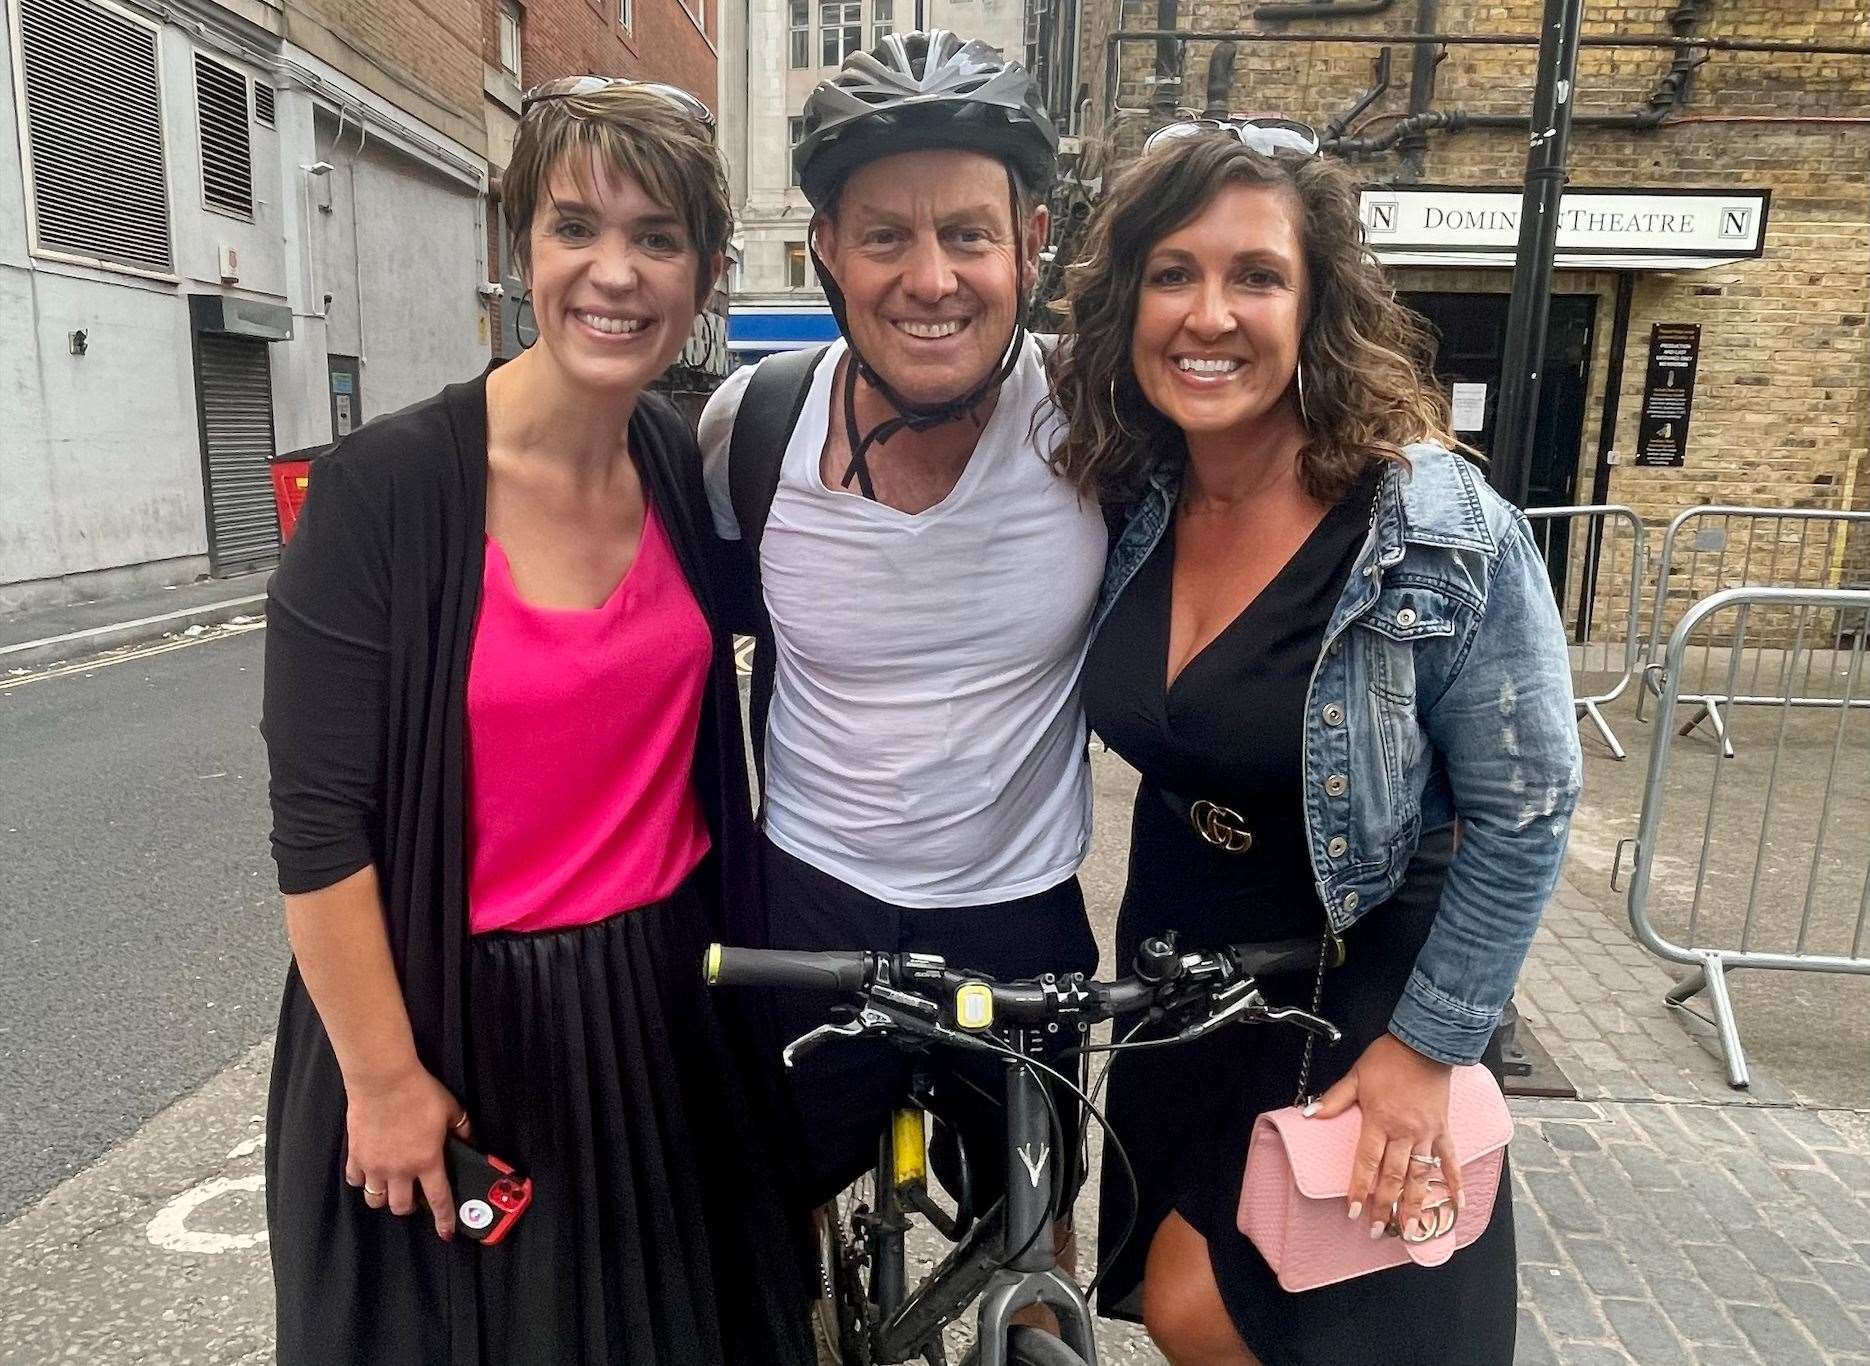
(32, 640)
(1663, 1217)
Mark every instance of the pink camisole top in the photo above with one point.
(581, 740)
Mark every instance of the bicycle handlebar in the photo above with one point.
(1160, 968)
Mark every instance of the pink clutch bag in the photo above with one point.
(1292, 1202)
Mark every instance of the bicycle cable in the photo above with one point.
(1115, 1143)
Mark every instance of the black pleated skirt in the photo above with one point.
(601, 1067)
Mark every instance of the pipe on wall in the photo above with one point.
(1322, 9)
(1422, 70)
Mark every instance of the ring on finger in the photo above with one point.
(459, 1122)
(372, 1194)
(1426, 1159)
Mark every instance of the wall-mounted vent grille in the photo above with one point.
(226, 143)
(98, 188)
(263, 104)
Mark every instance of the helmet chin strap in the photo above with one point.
(910, 416)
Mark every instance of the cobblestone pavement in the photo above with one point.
(1662, 1217)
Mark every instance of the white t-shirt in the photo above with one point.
(926, 743)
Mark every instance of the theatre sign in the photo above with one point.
(1597, 229)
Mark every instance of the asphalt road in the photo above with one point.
(141, 950)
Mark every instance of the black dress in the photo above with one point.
(592, 1056)
(1230, 730)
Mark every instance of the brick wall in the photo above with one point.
(422, 55)
(580, 37)
(1783, 394)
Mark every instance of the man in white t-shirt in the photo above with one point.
(920, 580)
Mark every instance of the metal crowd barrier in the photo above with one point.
(1730, 871)
(1709, 549)
(1597, 556)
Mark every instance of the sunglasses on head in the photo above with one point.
(570, 87)
(1269, 137)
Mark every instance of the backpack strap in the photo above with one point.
(763, 426)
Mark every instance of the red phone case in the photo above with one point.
(489, 1194)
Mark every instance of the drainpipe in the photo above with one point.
(1414, 144)
(1379, 86)
(1669, 94)
(1220, 79)
(1168, 67)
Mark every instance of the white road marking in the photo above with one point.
(140, 652)
(74, 636)
(169, 1229)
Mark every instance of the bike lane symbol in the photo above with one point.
(171, 1230)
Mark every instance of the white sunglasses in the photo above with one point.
(1269, 137)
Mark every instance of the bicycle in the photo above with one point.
(1002, 1258)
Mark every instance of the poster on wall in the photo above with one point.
(1469, 407)
(1668, 393)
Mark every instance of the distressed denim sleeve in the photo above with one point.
(1505, 729)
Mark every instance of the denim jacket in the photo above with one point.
(1443, 690)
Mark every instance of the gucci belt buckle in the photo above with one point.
(1220, 826)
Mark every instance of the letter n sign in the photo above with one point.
(1737, 224)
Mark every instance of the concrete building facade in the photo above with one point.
(258, 224)
(1718, 201)
(775, 52)
(253, 227)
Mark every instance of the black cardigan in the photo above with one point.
(370, 619)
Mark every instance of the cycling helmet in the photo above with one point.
(919, 91)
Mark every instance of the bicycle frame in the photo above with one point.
(910, 1321)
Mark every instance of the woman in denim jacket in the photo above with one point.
(1323, 641)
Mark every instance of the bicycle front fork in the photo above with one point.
(1032, 1275)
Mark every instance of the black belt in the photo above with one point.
(1219, 825)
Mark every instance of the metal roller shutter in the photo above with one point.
(237, 443)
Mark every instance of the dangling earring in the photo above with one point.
(526, 335)
(1299, 376)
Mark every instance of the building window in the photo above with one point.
(626, 13)
(795, 265)
(509, 40)
(795, 134)
(226, 147)
(882, 20)
(101, 132)
(841, 28)
(800, 16)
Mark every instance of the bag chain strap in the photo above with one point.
(1303, 1096)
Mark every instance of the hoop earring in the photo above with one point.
(526, 335)
(1299, 378)
(1115, 415)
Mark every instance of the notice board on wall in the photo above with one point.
(1668, 393)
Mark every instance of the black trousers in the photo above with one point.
(843, 1092)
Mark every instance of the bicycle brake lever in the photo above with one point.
(1251, 1006)
(1304, 1019)
(868, 1021)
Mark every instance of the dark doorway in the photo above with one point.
(1471, 340)
(234, 403)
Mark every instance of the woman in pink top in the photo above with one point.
(510, 809)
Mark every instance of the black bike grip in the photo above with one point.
(845, 970)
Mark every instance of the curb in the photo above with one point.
(32, 654)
